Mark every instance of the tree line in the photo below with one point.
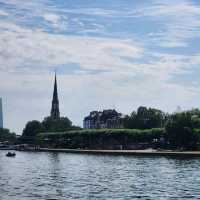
(34, 127)
(181, 129)
(7, 135)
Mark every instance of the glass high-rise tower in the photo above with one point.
(1, 114)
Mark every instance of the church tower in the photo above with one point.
(55, 113)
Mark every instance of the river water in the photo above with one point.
(31, 176)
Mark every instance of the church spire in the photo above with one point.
(55, 113)
(55, 92)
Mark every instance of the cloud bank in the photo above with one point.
(106, 57)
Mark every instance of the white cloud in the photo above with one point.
(94, 11)
(3, 13)
(111, 72)
(180, 21)
(52, 18)
(26, 48)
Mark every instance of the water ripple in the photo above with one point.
(51, 176)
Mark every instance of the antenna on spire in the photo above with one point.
(55, 71)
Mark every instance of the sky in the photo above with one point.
(118, 54)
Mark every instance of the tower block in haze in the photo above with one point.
(1, 114)
(55, 112)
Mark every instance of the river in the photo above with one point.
(49, 176)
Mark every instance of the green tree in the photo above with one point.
(6, 135)
(156, 118)
(52, 125)
(31, 129)
(195, 121)
(145, 118)
(128, 122)
(180, 131)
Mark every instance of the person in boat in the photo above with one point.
(10, 154)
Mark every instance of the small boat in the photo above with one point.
(10, 154)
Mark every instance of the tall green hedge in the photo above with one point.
(99, 137)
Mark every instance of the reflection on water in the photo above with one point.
(32, 176)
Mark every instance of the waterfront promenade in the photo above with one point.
(145, 152)
(126, 152)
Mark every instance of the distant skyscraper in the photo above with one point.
(55, 113)
(1, 114)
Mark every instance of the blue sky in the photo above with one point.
(108, 54)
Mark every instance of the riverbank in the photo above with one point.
(147, 152)
(125, 152)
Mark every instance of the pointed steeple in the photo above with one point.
(55, 113)
(55, 92)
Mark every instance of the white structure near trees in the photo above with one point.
(106, 119)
